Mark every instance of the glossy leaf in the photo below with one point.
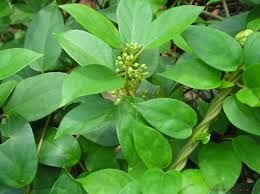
(242, 116)
(95, 23)
(219, 165)
(250, 97)
(194, 73)
(37, 96)
(250, 76)
(91, 79)
(215, 48)
(39, 37)
(85, 48)
(134, 17)
(6, 89)
(160, 31)
(171, 117)
(107, 181)
(193, 182)
(67, 185)
(59, 152)
(158, 153)
(15, 59)
(157, 181)
(247, 150)
(18, 164)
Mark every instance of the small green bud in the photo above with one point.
(241, 37)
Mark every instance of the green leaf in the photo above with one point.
(247, 150)
(157, 4)
(107, 181)
(90, 116)
(157, 181)
(158, 153)
(6, 8)
(6, 89)
(95, 23)
(85, 48)
(219, 165)
(194, 73)
(131, 188)
(36, 5)
(171, 117)
(134, 17)
(161, 31)
(214, 47)
(242, 116)
(256, 189)
(39, 37)
(59, 152)
(193, 182)
(251, 47)
(250, 97)
(37, 96)
(181, 43)
(18, 164)
(91, 79)
(65, 184)
(150, 57)
(13, 60)
(251, 76)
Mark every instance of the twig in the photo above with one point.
(43, 133)
(226, 8)
(212, 15)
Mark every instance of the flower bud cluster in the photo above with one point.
(242, 36)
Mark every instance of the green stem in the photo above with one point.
(203, 126)
(43, 134)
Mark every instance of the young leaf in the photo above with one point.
(6, 89)
(66, 185)
(91, 79)
(90, 116)
(161, 31)
(194, 73)
(36, 97)
(219, 165)
(95, 23)
(214, 47)
(39, 37)
(242, 116)
(85, 48)
(60, 152)
(18, 164)
(247, 150)
(158, 153)
(171, 117)
(193, 182)
(157, 181)
(15, 59)
(134, 18)
(107, 181)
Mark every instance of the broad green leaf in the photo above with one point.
(110, 12)
(219, 165)
(157, 4)
(250, 97)
(39, 37)
(22, 14)
(65, 184)
(9, 190)
(214, 47)
(194, 73)
(158, 153)
(95, 23)
(90, 116)
(13, 60)
(247, 150)
(107, 181)
(193, 182)
(37, 96)
(91, 79)
(161, 31)
(59, 152)
(150, 57)
(18, 164)
(36, 5)
(251, 47)
(242, 116)
(251, 76)
(85, 48)
(256, 189)
(131, 188)
(156, 181)
(181, 43)
(171, 117)
(6, 89)
(6, 8)
(134, 17)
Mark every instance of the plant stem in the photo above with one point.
(212, 15)
(203, 126)
(43, 134)
(226, 8)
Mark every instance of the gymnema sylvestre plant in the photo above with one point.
(94, 101)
